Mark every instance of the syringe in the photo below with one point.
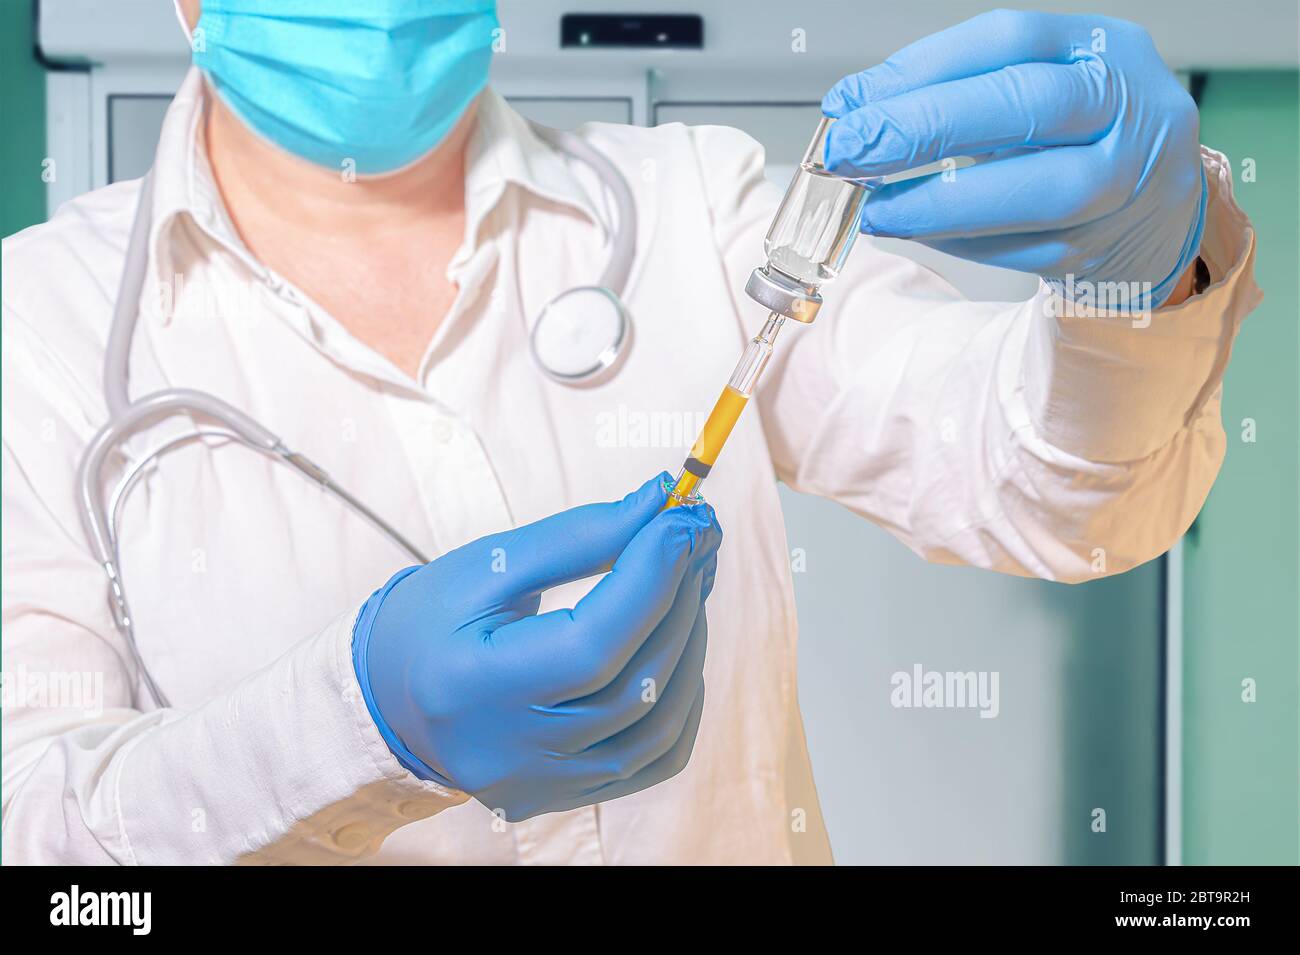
(806, 246)
(726, 411)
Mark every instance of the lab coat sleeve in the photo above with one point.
(1020, 437)
(286, 767)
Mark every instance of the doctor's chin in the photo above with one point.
(472, 433)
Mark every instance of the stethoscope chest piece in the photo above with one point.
(580, 335)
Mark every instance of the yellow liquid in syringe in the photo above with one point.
(717, 428)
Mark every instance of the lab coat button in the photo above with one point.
(414, 809)
(352, 837)
(442, 432)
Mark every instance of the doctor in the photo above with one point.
(349, 238)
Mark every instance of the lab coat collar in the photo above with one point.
(504, 150)
(183, 182)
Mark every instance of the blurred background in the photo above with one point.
(1125, 694)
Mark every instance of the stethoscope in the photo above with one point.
(579, 338)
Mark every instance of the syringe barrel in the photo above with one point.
(685, 489)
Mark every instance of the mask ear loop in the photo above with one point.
(185, 27)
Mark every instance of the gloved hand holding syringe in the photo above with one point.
(806, 246)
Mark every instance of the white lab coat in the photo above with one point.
(986, 434)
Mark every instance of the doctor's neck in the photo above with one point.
(266, 188)
(370, 252)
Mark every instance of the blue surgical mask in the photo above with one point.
(376, 82)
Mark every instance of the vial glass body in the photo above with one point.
(815, 226)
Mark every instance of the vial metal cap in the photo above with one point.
(778, 292)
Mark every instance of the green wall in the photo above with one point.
(1241, 778)
(22, 119)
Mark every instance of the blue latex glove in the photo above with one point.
(1088, 149)
(532, 714)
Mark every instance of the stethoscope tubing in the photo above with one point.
(127, 416)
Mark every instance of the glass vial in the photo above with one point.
(815, 226)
